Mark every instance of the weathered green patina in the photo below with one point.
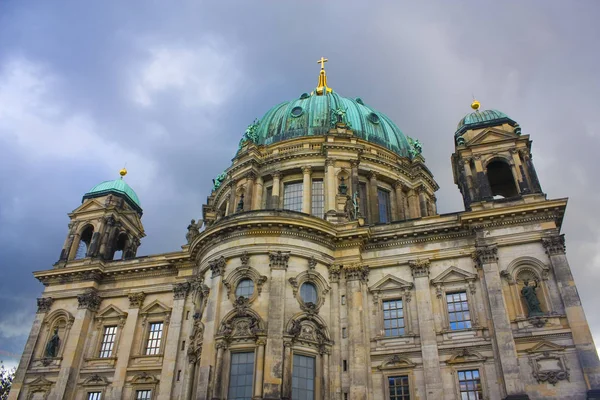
(415, 147)
(118, 187)
(250, 134)
(311, 115)
(482, 119)
(219, 180)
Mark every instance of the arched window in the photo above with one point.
(308, 293)
(245, 288)
(502, 182)
(84, 242)
(120, 246)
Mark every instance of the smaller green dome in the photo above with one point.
(481, 119)
(118, 187)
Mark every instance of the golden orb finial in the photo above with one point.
(475, 105)
(123, 172)
(322, 87)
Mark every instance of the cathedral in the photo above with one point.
(321, 270)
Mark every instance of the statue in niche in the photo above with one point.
(53, 345)
(533, 304)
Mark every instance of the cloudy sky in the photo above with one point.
(167, 88)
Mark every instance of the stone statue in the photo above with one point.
(53, 345)
(193, 230)
(533, 304)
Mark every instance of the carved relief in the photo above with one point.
(180, 290)
(554, 245)
(44, 304)
(548, 363)
(136, 299)
(356, 271)
(89, 300)
(419, 268)
(395, 362)
(334, 273)
(217, 266)
(279, 260)
(485, 255)
(309, 330)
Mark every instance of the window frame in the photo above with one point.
(315, 369)
(392, 372)
(88, 393)
(147, 339)
(459, 370)
(237, 350)
(392, 288)
(469, 309)
(115, 336)
(388, 205)
(137, 390)
(297, 183)
(383, 310)
(320, 198)
(153, 313)
(470, 365)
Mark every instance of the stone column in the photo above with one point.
(413, 204)
(481, 180)
(336, 354)
(249, 193)
(211, 319)
(278, 263)
(431, 360)
(109, 222)
(535, 183)
(232, 197)
(190, 377)
(276, 189)
(486, 259)
(171, 349)
(325, 380)
(66, 249)
(260, 366)
(520, 172)
(580, 330)
(306, 189)
(258, 194)
(74, 246)
(136, 300)
(359, 362)
(218, 389)
(44, 306)
(331, 186)
(286, 390)
(400, 215)
(469, 180)
(66, 383)
(422, 201)
(373, 198)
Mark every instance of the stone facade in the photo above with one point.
(368, 304)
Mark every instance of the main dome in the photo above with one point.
(315, 115)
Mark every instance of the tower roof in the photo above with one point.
(118, 187)
(482, 119)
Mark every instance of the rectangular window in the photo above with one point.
(458, 311)
(303, 378)
(269, 201)
(398, 386)
(143, 394)
(318, 199)
(108, 341)
(94, 396)
(470, 385)
(362, 201)
(154, 338)
(383, 199)
(393, 317)
(241, 376)
(292, 196)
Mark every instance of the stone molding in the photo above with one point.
(419, 268)
(217, 266)
(356, 271)
(554, 245)
(181, 290)
(279, 260)
(89, 300)
(485, 255)
(44, 304)
(136, 299)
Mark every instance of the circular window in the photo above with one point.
(245, 288)
(304, 96)
(308, 293)
(359, 101)
(373, 118)
(297, 111)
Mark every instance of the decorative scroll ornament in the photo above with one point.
(548, 367)
(419, 268)
(485, 255)
(136, 299)
(180, 290)
(279, 260)
(356, 271)
(89, 300)
(44, 304)
(217, 266)
(554, 245)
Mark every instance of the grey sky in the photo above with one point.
(169, 89)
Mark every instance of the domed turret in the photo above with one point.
(118, 187)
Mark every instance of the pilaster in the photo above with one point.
(336, 354)
(306, 189)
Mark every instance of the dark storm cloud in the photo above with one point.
(169, 89)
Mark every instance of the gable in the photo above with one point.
(90, 205)
(453, 274)
(390, 282)
(545, 346)
(491, 135)
(156, 307)
(111, 312)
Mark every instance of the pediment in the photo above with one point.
(492, 135)
(453, 274)
(464, 356)
(144, 377)
(395, 362)
(89, 205)
(95, 380)
(156, 307)
(40, 381)
(111, 312)
(545, 346)
(390, 282)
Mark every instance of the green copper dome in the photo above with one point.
(315, 115)
(482, 119)
(118, 187)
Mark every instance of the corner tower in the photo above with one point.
(492, 159)
(107, 225)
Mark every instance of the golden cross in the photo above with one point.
(322, 61)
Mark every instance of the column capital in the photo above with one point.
(221, 344)
(334, 272)
(329, 162)
(486, 254)
(276, 174)
(279, 259)
(44, 304)
(421, 189)
(372, 175)
(356, 271)
(354, 163)
(136, 300)
(180, 290)
(419, 268)
(554, 245)
(307, 170)
(251, 175)
(261, 342)
(217, 266)
(89, 300)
